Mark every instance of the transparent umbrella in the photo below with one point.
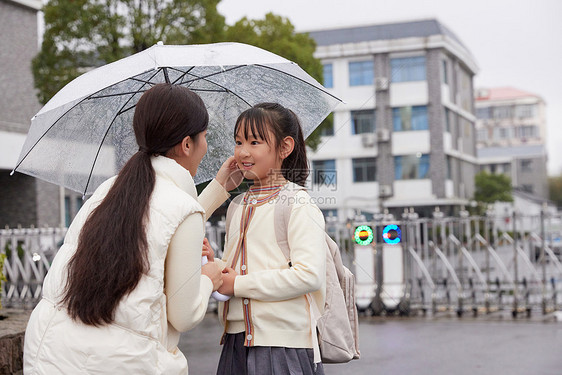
(84, 134)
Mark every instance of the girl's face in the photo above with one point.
(256, 159)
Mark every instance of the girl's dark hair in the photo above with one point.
(283, 123)
(112, 251)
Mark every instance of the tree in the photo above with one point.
(277, 34)
(555, 190)
(492, 188)
(82, 34)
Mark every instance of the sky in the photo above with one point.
(515, 43)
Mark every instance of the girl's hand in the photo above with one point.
(229, 176)
(228, 277)
(208, 250)
(213, 272)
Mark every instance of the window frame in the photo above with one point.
(362, 114)
(322, 175)
(405, 66)
(364, 164)
(363, 75)
(398, 115)
(419, 172)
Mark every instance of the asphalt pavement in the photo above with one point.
(494, 345)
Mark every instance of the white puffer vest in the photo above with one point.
(137, 341)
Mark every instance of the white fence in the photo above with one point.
(464, 264)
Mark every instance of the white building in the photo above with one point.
(405, 135)
(511, 137)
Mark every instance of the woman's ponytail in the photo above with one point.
(112, 250)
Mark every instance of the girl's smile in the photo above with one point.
(257, 160)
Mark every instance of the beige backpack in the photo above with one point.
(338, 325)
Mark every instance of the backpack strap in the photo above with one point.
(282, 215)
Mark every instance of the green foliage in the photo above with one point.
(84, 34)
(555, 190)
(492, 188)
(277, 34)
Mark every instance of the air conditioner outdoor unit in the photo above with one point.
(383, 135)
(368, 139)
(381, 83)
(385, 190)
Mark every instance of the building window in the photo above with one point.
(447, 119)
(410, 118)
(363, 121)
(444, 71)
(502, 112)
(502, 133)
(483, 113)
(328, 76)
(411, 167)
(368, 216)
(408, 69)
(527, 131)
(324, 172)
(507, 168)
(449, 168)
(525, 111)
(361, 73)
(67, 211)
(79, 203)
(527, 188)
(327, 129)
(364, 169)
(526, 165)
(330, 213)
(482, 135)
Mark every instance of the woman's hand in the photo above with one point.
(229, 176)
(228, 277)
(208, 250)
(213, 272)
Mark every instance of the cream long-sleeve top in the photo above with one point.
(187, 291)
(278, 313)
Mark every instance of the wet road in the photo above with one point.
(423, 346)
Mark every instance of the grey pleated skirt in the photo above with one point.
(237, 359)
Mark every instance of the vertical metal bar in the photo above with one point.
(543, 260)
(515, 270)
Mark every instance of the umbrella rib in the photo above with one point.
(166, 77)
(119, 94)
(209, 90)
(204, 78)
(142, 80)
(105, 136)
(214, 74)
(183, 75)
(134, 105)
(70, 109)
(300, 79)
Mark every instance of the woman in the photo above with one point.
(128, 277)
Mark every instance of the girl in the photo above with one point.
(268, 327)
(128, 277)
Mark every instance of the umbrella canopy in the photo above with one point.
(84, 134)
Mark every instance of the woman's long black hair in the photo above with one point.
(282, 122)
(112, 251)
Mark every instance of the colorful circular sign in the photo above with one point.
(363, 235)
(391, 234)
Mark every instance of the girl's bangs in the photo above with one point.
(253, 122)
